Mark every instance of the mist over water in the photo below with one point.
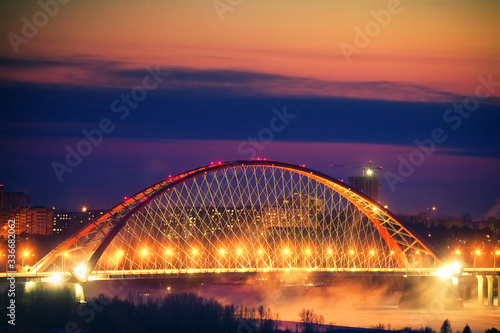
(352, 302)
(343, 301)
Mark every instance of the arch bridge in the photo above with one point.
(241, 216)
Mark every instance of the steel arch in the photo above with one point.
(93, 239)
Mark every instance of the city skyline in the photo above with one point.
(163, 87)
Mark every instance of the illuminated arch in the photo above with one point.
(242, 215)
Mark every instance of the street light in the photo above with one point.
(3, 255)
(143, 253)
(328, 256)
(370, 259)
(120, 255)
(63, 258)
(168, 253)
(195, 252)
(25, 254)
(258, 258)
(476, 253)
(285, 253)
(351, 258)
(419, 261)
(497, 253)
(308, 251)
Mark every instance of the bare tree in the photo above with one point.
(311, 321)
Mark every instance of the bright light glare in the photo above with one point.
(80, 271)
(30, 285)
(449, 271)
(55, 279)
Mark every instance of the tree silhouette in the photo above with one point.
(310, 320)
(446, 327)
(491, 330)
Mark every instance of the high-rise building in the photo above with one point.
(36, 220)
(72, 221)
(367, 185)
(1, 196)
(16, 200)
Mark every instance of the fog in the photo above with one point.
(358, 302)
(343, 301)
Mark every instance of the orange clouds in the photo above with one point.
(443, 46)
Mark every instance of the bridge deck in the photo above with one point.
(131, 274)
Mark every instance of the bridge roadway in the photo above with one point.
(162, 273)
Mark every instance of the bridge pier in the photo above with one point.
(75, 288)
(420, 292)
(491, 284)
(498, 290)
(490, 289)
(79, 294)
(480, 296)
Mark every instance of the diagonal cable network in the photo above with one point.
(244, 216)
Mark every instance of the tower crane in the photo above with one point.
(367, 170)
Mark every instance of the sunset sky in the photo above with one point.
(229, 64)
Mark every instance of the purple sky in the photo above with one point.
(228, 72)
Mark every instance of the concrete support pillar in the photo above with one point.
(79, 295)
(480, 298)
(490, 289)
(498, 288)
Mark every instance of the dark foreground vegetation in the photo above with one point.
(56, 310)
